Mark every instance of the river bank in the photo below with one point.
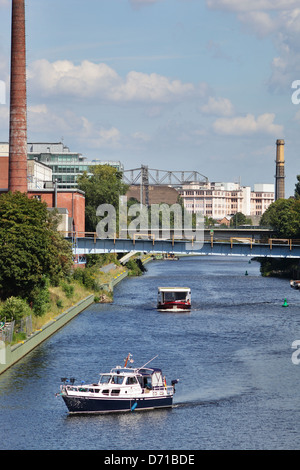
(73, 300)
(283, 268)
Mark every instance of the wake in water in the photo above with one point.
(210, 396)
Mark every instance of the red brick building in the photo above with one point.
(72, 200)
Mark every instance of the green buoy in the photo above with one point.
(285, 304)
(246, 273)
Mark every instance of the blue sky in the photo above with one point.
(199, 85)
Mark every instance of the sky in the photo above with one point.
(194, 85)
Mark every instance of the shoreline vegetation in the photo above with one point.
(96, 278)
(284, 268)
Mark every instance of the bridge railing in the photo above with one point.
(74, 235)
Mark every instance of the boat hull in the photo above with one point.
(171, 307)
(77, 404)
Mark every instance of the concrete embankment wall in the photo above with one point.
(9, 355)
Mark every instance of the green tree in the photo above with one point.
(239, 219)
(104, 186)
(283, 216)
(31, 247)
(297, 188)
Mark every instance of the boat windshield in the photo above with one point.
(105, 378)
(171, 296)
(117, 379)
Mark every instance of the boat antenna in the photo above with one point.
(148, 362)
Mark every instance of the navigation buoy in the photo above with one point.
(285, 304)
(246, 273)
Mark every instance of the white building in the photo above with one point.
(38, 174)
(217, 200)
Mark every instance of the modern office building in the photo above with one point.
(66, 166)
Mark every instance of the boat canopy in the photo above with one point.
(174, 289)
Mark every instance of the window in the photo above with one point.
(104, 379)
(131, 381)
(117, 379)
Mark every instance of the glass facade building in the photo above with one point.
(66, 166)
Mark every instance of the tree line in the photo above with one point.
(283, 216)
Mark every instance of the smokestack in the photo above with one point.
(279, 178)
(18, 104)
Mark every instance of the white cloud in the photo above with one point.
(141, 136)
(98, 136)
(260, 22)
(218, 107)
(90, 80)
(41, 120)
(248, 125)
(277, 19)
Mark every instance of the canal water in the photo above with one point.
(238, 386)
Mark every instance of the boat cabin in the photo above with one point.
(146, 378)
(174, 298)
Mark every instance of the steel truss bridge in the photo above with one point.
(145, 176)
(88, 243)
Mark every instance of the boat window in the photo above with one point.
(147, 382)
(172, 296)
(131, 380)
(104, 379)
(115, 392)
(140, 380)
(117, 379)
(105, 392)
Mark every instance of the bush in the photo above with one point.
(68, 289)
(135, 267)
(41, 298)
(87, 277)
(14, 308)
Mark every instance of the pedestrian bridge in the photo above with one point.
(235, 246)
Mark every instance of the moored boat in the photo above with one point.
(174, 299)
(295, 284)
(122, 389)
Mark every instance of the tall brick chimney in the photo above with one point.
(18, 102)
(279, 177)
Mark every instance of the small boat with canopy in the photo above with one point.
(172, 299)
(121, 389)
